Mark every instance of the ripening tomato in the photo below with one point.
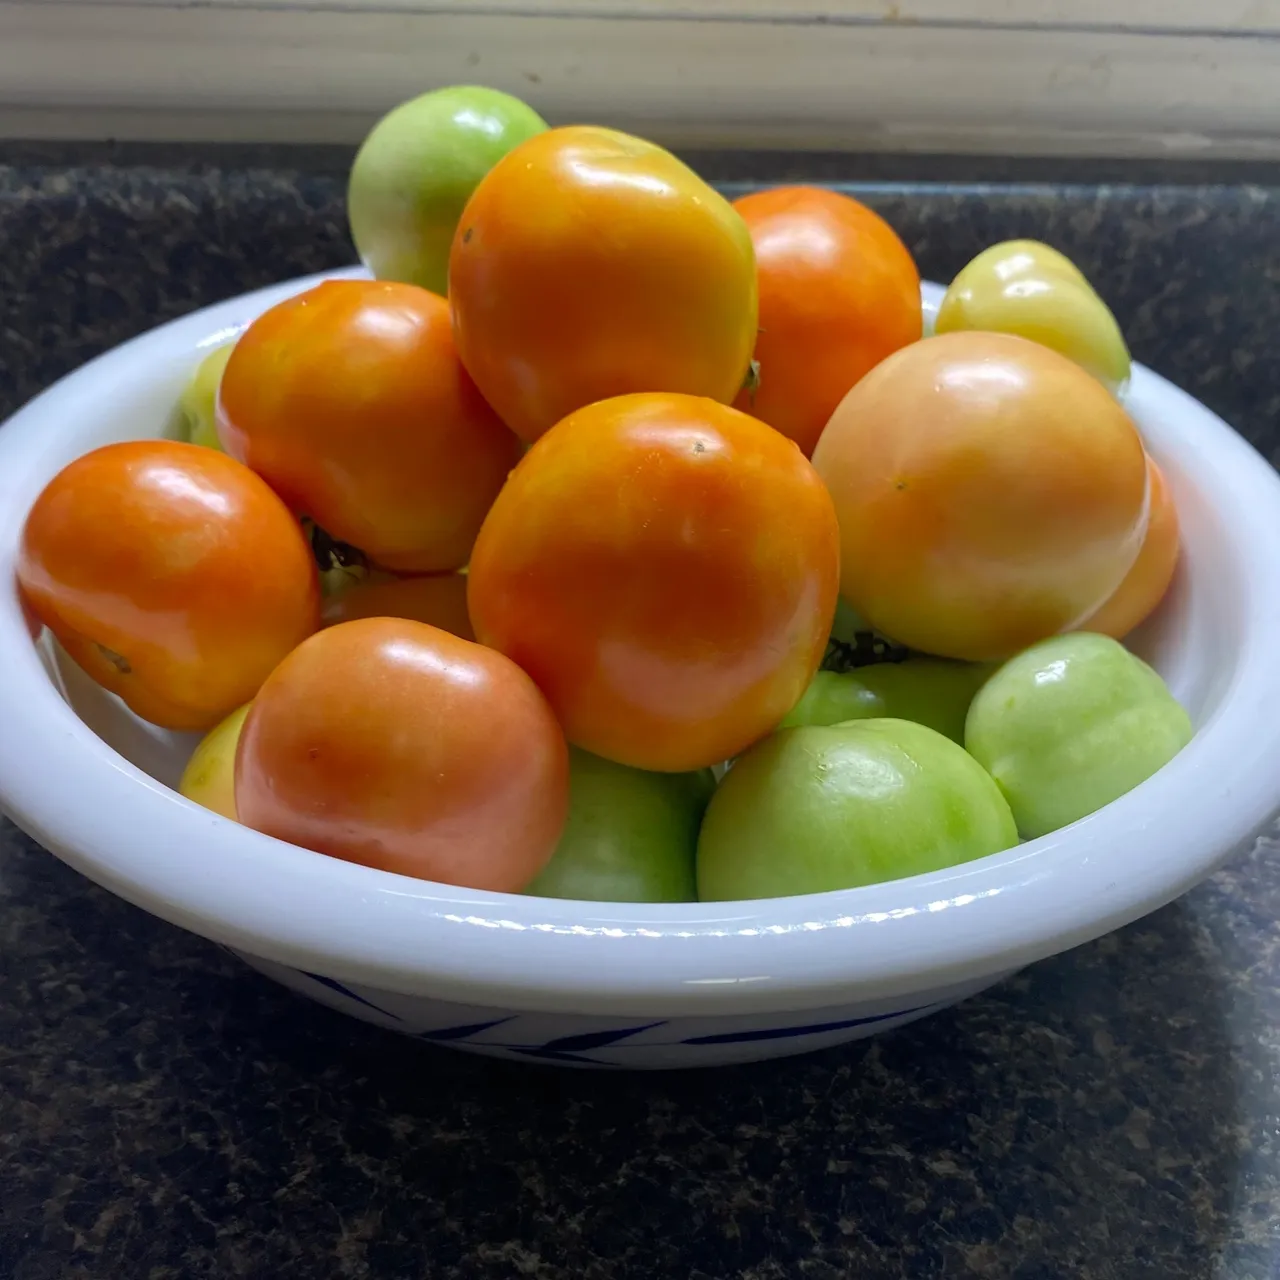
(665, 568)
(990, 493)
(590, 264)
(838, 292)
(350, 401)
(171, 574)
(394, 744)
(1146, 583)
(439, 599)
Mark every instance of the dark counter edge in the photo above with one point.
(722, 165)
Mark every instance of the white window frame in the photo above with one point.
(1171, 78)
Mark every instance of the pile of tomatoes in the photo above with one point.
(463, 582)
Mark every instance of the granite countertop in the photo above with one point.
(166, 1114)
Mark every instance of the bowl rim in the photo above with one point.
(75, 795)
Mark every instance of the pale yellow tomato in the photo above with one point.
(1026, 288)
(198, 403)
(210, 776)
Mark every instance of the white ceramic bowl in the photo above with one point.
(634, 985)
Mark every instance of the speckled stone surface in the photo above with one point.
(167, 1115)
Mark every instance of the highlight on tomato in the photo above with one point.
(839, 292)
(172, 574)
(990, 493)
(350, 400)
(394, 744)
(665, 569)
(590, 264)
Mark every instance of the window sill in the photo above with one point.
(933, 75)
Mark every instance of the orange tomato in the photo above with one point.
(171, 574)
(350, 401)
(665, 568)
(990, 494)
(1146, 583)
(589, 264)
(838, 292)
(437, 599)
(397, 745)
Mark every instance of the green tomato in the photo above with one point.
(833, 807)
(848, 623)
(630, 836)
(1070, 725)
(416, 170)
(853, 644)
(929, 691)
(200, 396)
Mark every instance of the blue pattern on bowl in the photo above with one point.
(576, 1048)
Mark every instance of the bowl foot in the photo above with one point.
(598, 1040)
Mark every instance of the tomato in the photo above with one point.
(394, 744)
(438, 599)
(589, 264)
(630, 837)
(1070, 725)
(990, 493)
(350, 401)
(197, 406)
(838, 292)
(171, 574)
(837, 806)
(928, 691)
(1146, 583)
(1028, 288)
(414, 171)
(665, 568)
(210, 776)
